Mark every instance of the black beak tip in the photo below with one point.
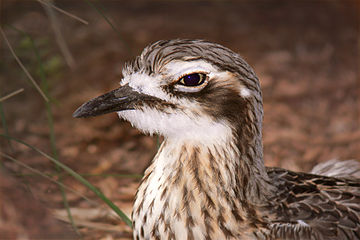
(88, 109)
(116, 100)
(79, 113)
(76, 114)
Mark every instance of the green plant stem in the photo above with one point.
(44, 84)
(82, 180)
(50, 120)
(48, 177)
(136, 176)
(4, 125)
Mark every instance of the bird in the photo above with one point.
(208, 179)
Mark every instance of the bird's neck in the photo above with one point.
(188, 182)
(235, 169)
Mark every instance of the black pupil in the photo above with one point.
(194, 79)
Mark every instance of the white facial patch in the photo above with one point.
(178, 68)
(177, 125)
(143, 83)
(187, 121)
(151, 85)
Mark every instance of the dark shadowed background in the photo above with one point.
(305, 53)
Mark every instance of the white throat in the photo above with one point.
(180, 126)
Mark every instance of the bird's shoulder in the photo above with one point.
(309, 206)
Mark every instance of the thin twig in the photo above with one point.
(50, 122)
(5, 128)
(22, 66)
(102, 13)
(59, 37)
(11, 94)
(48, 178)
(94, 225)
(64, 12)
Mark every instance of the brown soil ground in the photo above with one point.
(305, 53)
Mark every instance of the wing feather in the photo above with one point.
(310, 206)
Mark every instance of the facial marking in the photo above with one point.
(170, 125)
(171, 73)
(188, 113)
(178, 68)
(143, 83)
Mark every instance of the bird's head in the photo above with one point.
(186, 89)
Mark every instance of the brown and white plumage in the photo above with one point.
(208, 179)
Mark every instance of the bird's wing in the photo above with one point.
(336, 168)
(309, 206)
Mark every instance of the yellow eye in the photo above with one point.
(192, 80)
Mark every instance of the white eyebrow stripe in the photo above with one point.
(143, 83)
(180, 68)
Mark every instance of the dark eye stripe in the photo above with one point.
(192, 80)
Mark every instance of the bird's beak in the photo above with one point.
(119, 99)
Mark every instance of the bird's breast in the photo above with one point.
(183, 196)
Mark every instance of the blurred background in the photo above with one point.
(305, 53)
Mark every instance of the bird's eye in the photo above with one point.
(192, 80)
